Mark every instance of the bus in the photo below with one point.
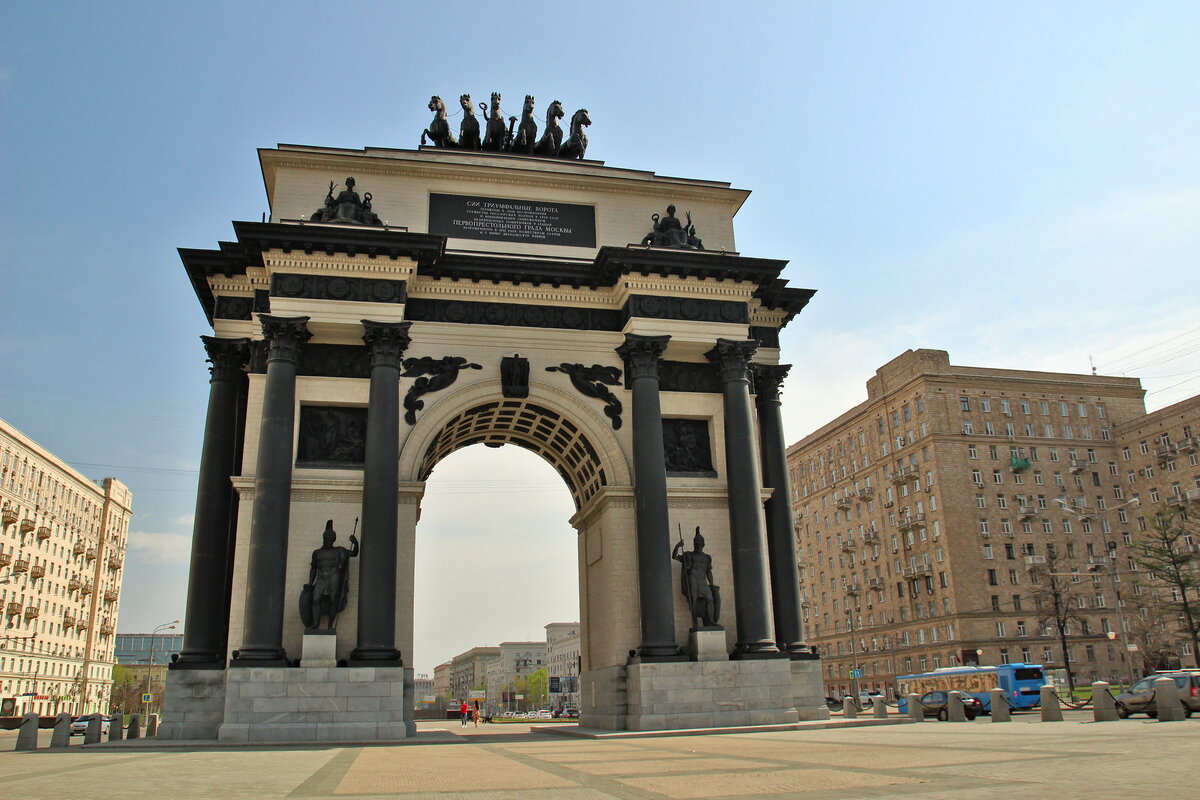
(1021, 684)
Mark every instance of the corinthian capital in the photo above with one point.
(768, 380)
(641, 354)
(732, 358)
(285, 335)
(387, 342)
(226, 357)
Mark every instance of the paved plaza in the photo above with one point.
(969, 761)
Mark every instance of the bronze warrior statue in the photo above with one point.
(696, 582)
(328, 587)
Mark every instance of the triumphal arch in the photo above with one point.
(398, 305)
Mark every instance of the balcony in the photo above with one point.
(86, 589)
(26, 525)
(888, 503)
(1165, 451)
(1192, 494)
(1027, 512)
(870, 536)
(37, 571)
(13, 609)
(903, 474)
(866, 493)
(32, 612)
(1077, 464)
(5, 559)
(842, 502)
(8, 515)
(43, 533)
(82, 623)
(106, 628)
(90, 555)
(1034, 561)
(78, 548)
(73, 585)
(110, 595)
(68, 620)
(114, 561)
(1097, 561)
(1018, 464)
(1188, 445)
(21, 565)
(918, 571)
(875, 583)
(911, 521)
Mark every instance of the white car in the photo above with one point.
(79, 726)
(545, 713)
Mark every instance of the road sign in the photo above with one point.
(555, 685)
(147, 697)
(856, 673)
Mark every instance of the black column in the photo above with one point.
(262, 635)
(747, 537)
(641, 354)
(781, 543)
(387, 342)
(206, 619)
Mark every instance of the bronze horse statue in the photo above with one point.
(551, 140)
(494, 140)
(439, 129)
(526, 137)
(468, 131)
(576, 146)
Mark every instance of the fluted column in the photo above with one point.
(781, 543)
(262, 636)
(641, 355)
(756, 635)
(206, 619)
(387, 342)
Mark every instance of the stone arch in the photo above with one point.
(573, 438)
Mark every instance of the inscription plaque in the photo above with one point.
(503, 220)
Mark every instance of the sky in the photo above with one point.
(1015, 183)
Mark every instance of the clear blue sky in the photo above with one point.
(1016, 183)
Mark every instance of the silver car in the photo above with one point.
(79, 725)
(1139, 698)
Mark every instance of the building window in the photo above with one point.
(964, 403)
(991, 578)
(1004, 655)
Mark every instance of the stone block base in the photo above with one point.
(808, 689)
(319, 650)
(689, 694)
(193, 704)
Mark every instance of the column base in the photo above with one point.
(260, 657)
(752, 650)
(198, 661)
(375, 657)
(657, 652)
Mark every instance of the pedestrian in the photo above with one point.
(475, 714)
(464, 711)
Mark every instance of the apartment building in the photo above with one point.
(929, 518)
(62, 549)
(562, 662)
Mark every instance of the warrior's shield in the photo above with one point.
(306, 599)
(716, 603)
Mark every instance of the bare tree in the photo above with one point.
(1155, 631)
(1058, 599)
(1168, 550)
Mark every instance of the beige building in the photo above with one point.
(562, 662)
(468, 670)
(924, 517)
(441, 681)
(62, 548)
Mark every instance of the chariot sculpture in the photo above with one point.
(498, 137)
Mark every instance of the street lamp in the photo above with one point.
(168, 626)
(852, 593)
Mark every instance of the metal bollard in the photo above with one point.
(915, 712)
(879, 708)
(954, 707)
(1166, 697)
(62, 731)
(1000, 710)
(1104, 708)
(849, 708)
(135, 726)
(116, 730)
(152, 725)
(92, 734)
(27, 737)
(1051, 710)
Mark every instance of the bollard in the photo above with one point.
(152, 725)
(92, 734)
(116, 729)
(1104, 708)
(135, 727)
(1051, 710)
(27, 738)
(849, 708)
(954, 707)
(879, 708)
(1166, 697)
(1000, 710)
(62, 731)
(915, 712)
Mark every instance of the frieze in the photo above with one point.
(687, 308)
(325, 287)
(335, 361)
(686, 447)
(331, 436)
(766, 337)
(688, 376)
(513, 314)
(230, 307)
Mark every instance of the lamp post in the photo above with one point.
(167, 626)
(852, 593)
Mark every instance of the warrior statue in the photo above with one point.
(670, 232)
(328, 587)
(346, 208)
(696, 583)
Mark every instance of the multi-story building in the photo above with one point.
(423, 692)
(515, 660)
(62, 548)
(469, 670)
(562, 662)
(927, 518)
(1158, 465)
(441, 682)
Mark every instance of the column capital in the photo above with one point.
(641, 354)
(732, 357)
(226, 357)
(387, 341)
(768, 380)
(285, 336)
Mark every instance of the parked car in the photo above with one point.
(1139, 698)
(545, 713)
(572, 713)
(79, 725)
(936, 704)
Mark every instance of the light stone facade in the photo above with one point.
(918, 510)
(562, 661)
(62, 553)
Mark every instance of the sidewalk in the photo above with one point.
(980, 760)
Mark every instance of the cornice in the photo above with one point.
(257, 238)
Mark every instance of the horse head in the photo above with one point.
(528, 105)
(495, 102)
(554, 112)
(436, 105)
(580, 118)
(465, 102)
